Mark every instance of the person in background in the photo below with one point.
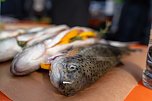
(13, 8)
(70, 12)
(134, 23)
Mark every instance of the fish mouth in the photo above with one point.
(55, 74)
(66, 88)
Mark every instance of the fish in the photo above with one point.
(35, 29)
(30, 58)
(30, 39)
(49, 33)
(11, 33)
(22, 65)
(80, 67)
(9, 48)
(10, 42)
(14, 33)
(16, 44)
(70, 35)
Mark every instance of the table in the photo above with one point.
(115, 85)
(23, 25)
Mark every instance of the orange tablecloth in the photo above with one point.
(140, 93)
(4, 97)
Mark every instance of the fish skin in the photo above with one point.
(23, 64)
(74, 72)
(47, 34)
(9, 48)
(30, 37)
(11, 33)
(28, 60)
(14, 33)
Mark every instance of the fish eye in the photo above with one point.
(72, 67)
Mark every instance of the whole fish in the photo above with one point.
(14, 45)
(9, 45)
(82, 66)
(9, 48)
(27, 40)
(11, 33)
(49, 33)
(25, 62)
(30, 58)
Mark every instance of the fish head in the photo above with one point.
(28, 60)
(66, 74)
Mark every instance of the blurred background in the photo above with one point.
(118, 20)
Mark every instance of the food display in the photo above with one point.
(79, 50)
(16, 42)
(75, 57)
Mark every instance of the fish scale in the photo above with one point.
(83, 67)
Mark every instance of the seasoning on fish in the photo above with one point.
(81, 67)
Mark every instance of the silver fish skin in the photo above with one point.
(11, 33)
(9, 48)
(81, 67)
(9, 42)
(47, 34)
(30, 58)
(14, 33)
